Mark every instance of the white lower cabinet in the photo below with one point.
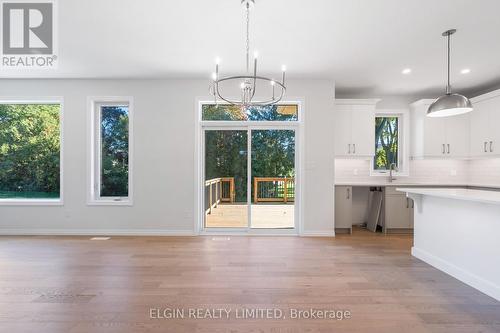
(343, 209)
(398, 211)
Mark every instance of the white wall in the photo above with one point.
(164, 158)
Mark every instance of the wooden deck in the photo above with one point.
(272, 216)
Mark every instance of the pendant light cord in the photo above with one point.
(448, 87)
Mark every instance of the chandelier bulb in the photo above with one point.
(283, 68)
(256, 54)
(217, 60)
(214, 76)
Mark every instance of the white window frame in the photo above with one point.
(41, 100)
(297, 125)
(94, 151)
(403, 142)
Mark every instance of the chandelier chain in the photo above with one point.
(248, 36)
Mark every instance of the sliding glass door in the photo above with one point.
(249, 178)
(273, 179)
(226, 173)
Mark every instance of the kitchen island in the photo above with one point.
(458, 231)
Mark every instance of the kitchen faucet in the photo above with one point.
(392, 167)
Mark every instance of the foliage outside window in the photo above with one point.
(226, 112)
(114, 154)
(386, 143)
(30, 151)
(226, 156)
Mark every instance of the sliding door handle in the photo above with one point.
(491, 146)
(349, 151)
(448, 148)
(348, 193)
(354, 150)
(444, 149)
(485, 144)
(407, 203)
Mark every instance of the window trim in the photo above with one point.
(93, 177)
(42, 100)
(298, 126)
(229, 123)
(403, 139)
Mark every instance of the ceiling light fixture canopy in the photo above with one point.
(249, 81)
(449, 104)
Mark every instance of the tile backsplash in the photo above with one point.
(484, 172)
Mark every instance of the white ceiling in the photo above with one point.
(361, 44)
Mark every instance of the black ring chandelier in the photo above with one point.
(248, 83)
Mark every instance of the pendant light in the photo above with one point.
(449, 104)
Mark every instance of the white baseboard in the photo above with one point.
(95, 232)
(487, 287)
(318, 233)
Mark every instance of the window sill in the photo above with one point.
(386, 174)
(110, 202)
(31, 202)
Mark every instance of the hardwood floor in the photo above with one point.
(72, 284)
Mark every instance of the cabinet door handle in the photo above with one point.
(412, 204)
(491, 146)
(348, 193)
(354, 151)
(485, 144)
(448, 148)
(444, 149)
(407, 203)
(350, 149)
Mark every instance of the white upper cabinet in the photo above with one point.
(343, 131)
(355, 127)
(447, 137)
(485, 125)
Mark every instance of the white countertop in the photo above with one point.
(491, 197)
(402, 183)
(396, 183)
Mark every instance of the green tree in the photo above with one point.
(386, 142)
(29, 150)
(114, 151)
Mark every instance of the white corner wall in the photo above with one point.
(164, 159)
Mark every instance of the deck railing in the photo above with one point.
(266, 189)
(273, 189)
(217, 190)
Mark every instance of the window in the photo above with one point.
(387, 143)
(111, 167)
(226, 112)
(30, 152)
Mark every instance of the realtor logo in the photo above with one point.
(28, 34)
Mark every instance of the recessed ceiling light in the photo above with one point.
(406, 71)
(465, 71)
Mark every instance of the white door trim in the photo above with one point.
(297, 126)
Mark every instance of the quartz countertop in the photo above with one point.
(395, 183)
(403, 183)
(490, 197)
